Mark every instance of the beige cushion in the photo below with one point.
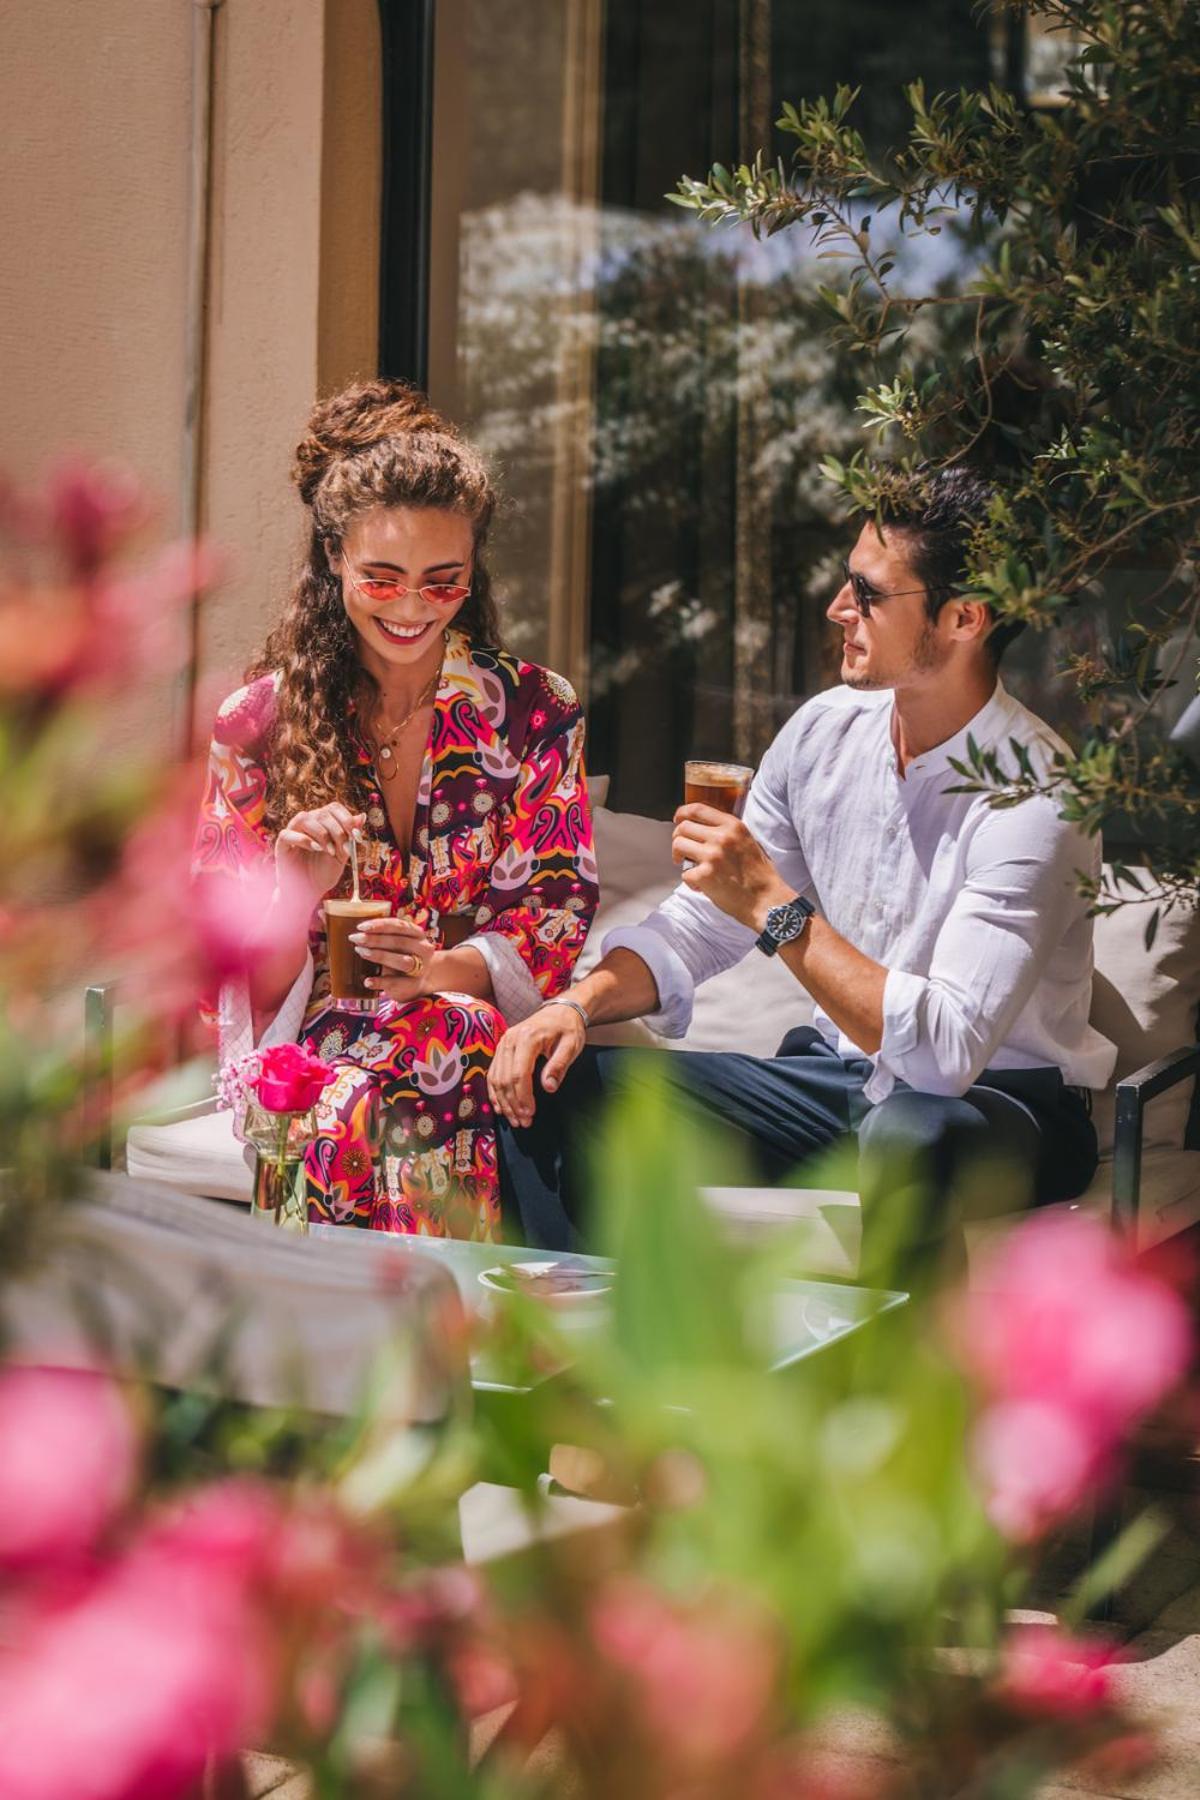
(195, 1155)
(825, 1223)
(1146, 1002)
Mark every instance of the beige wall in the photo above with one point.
(93, 222)
(294, 278)
(93, 279)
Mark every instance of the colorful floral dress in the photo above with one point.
(502, 846)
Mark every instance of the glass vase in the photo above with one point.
(279, 1140)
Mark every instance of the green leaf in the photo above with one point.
(1122, 1559)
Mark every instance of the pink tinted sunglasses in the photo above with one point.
(439, 593)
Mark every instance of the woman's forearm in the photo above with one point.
(461, 971)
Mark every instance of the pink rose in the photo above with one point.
(68, 1466)
(1049, 1675)
(290, 1078)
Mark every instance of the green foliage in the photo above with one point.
(1065, 356)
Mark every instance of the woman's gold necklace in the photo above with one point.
(385, 755)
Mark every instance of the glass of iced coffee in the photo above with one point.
(348, 970)
(718, 784)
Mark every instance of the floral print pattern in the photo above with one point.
(502, 845)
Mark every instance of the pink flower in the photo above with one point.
(1064, 1315)
(239, 922)
(92, 509)
(69, 1461)
(1049, 1675)
(1073, 1343)
(290, 1078)
(1036, 1462)
(703, 1677)
(162, 1665)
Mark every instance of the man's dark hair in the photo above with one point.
(940, 510)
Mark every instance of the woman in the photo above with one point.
(382, 705)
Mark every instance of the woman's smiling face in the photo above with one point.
(398, 547)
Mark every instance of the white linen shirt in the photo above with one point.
(973, 910)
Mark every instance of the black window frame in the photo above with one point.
(406, 54)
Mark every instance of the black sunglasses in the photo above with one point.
(865, 595)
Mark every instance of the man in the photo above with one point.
(944, 941)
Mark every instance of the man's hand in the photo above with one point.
(728, 865)
(555, 1032)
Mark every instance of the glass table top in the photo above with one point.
(808, 1316)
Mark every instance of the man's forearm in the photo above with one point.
(619, 987)
(844, 983)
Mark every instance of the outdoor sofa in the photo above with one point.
(1146, 1000)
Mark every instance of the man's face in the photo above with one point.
(898, 643)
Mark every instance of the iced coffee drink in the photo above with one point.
(721, 785)
(348, 970)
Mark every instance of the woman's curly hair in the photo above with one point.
(377, 443)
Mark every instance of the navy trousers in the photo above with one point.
(914, 1150)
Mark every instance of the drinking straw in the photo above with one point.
(354, 863)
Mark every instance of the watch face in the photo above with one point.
(787, 921)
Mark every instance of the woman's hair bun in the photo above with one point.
(354, 419)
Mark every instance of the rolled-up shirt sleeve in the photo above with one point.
(1020, 898)
(687, 940)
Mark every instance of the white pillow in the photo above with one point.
(597, 790)
(752, 1006)
(1146, 1002)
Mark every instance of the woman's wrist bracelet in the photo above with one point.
(575, 1008)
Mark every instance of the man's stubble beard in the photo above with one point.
(927, 658)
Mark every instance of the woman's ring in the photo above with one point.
(414, 963)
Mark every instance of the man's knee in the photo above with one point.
(916, 1126)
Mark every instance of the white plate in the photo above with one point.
(558, 1283)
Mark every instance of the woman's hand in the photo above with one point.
(403, 951)
(314, 847)
(554, 1032)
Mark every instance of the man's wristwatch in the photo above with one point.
(784, 924)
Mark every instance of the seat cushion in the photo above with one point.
(826, 1223)
(197, 1155)
(1147, 1003)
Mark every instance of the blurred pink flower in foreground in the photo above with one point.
(703, 1676)
(91, 509)
(70, 1457)
(1036, 1462)
(161, 1665)
(177, 1651)
(184, 937)
(1073, 1344)
(1057, 1315)
(1049, 1675)
(73, 619)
